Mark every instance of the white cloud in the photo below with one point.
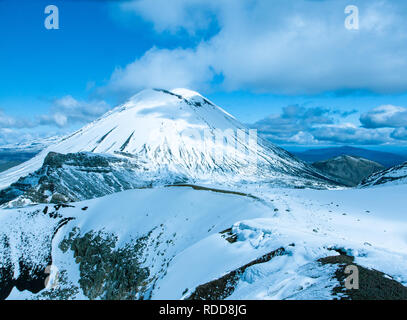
(296, 123)
(281, 46)
(63, 113)
(6, 121)
(163, 69)
(387, 116)
(67, 110)
(175, 14)
(347, 133)
(400, 134)
(318, 125)
(9, 136)
(299, 138)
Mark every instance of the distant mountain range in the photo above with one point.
(386, 159)
(12, 155)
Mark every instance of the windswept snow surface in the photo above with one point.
(394, 176)
(358, 221)
(191, 251)
(181, 133)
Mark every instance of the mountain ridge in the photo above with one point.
(183, 133)
(393, 176)
(348, 170)
(386, 159)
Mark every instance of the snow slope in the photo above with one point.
(357, 221)
(136, 213)
(393, 176)
(185, 246)
(183, 133)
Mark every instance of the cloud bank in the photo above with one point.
(387, 116)
(67, 110)
(300, 125)
(281, 46)
(64, 113)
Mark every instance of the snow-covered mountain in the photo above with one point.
(393, 176)
(181, 134)
(193, 226)
(348, 170)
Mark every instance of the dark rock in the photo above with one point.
(348, 170)
(373, 284)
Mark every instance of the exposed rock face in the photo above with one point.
(373, 284)
(392, 176)
(81, 176)
(348, 170)
(107, 272)
(72, 177)
(120, 248)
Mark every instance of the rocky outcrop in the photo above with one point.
(72, 177)
(395, 175)
(373, 284)
(108, 272)
(348, 170)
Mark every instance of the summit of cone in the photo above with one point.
(180, 133)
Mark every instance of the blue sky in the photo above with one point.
(289, 68)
